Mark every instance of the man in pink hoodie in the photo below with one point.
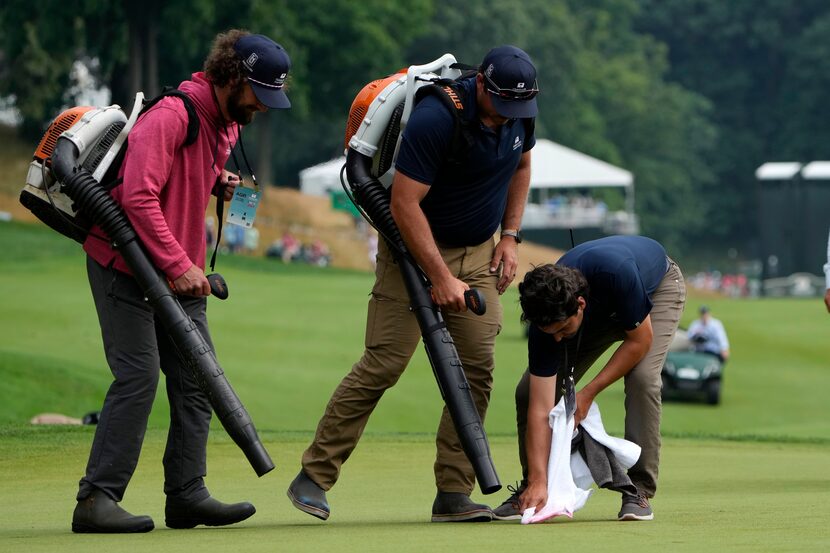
(165, 191)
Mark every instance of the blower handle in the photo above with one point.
(475, 301)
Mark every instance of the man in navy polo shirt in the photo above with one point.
(619, 288)
(448, 205)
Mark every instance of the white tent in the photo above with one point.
(322, 178)
(785, 170)
(556, 166)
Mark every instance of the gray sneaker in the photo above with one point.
(635, 507)
(458, 507)
(510, 509)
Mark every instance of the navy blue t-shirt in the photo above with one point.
(465, 204)
(622, 273)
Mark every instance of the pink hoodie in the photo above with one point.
(167, 186)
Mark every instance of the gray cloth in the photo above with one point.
(605, 469)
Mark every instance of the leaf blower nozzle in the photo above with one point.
(96, 203)
(374, 199)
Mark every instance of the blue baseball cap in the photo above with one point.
(510, 78)
(267, 64)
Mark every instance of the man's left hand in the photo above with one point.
(583, 404)
(227, 182)
(535, 496)
(506, 254)
(827, 300)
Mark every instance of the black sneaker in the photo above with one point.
(458, 507)
(635, 507)
(510, 509)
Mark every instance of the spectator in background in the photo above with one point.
(318, 253)
(250, 239)
(289, 247)
(372, 244)
(708, 335)
(234, 238)
(827, 276)
(210, 232)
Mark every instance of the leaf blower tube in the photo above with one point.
(374, 199)
(94, 201)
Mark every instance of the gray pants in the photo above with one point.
(136, 345)
(642, 384)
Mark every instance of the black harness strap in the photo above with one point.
(448, 91)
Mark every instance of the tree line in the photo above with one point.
(689, 95)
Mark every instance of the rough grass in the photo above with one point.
(288, 334)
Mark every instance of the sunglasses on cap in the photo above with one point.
(511, 94)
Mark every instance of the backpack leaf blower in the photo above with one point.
(377, 116)
(81, 149)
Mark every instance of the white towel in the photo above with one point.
(569, 480)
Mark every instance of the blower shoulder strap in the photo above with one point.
(111, 178)
(192, 117)
(450, 93)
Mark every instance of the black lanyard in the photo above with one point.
(220, 190)
(567, 386)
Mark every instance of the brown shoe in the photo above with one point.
(458, 507)
(98, 513)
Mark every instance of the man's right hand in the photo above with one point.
(535, 495)
(192, 283)
(827, 300)
(449, 294)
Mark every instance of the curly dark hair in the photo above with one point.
(548, 294)
(223, 65)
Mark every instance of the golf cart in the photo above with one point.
(689, 374)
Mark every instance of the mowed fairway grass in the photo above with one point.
(749, 475)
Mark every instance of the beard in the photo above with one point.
(240, 113)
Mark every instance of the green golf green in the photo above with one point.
(715, 496)
(748, 475)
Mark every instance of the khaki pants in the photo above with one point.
(642, 385)
(392, 334)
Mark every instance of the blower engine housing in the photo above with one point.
(99, 134)
(380, 111)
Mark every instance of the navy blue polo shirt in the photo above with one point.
(622, 273)
(465, 204)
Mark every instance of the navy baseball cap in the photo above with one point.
(267, 64)
(510, 78)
